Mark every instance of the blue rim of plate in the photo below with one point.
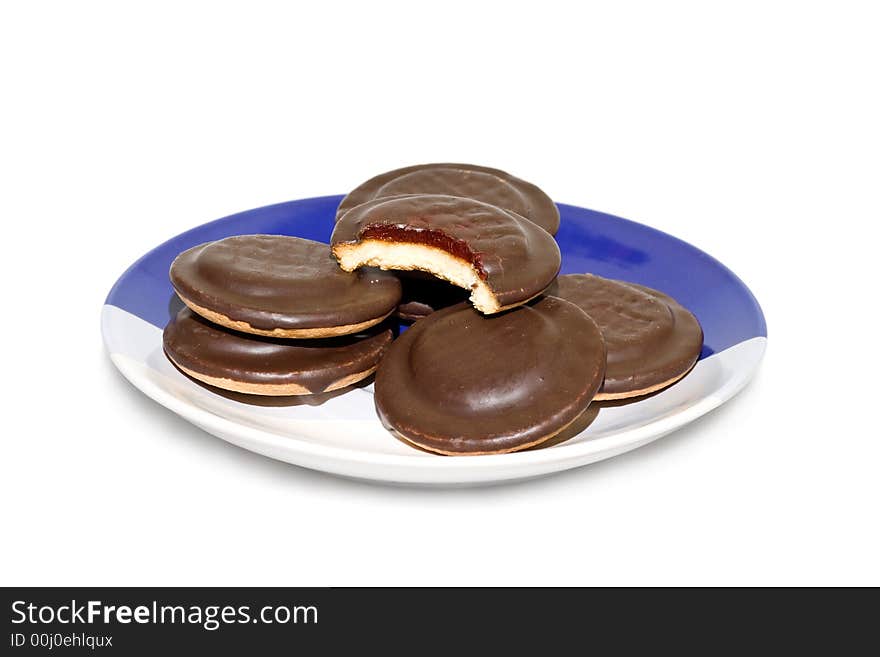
(590, 241)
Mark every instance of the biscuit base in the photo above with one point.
(610, 396)
(408, 256)
(300, 333)
(271, 389)
(508, 450)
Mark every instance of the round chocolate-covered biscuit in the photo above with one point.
(503, 259)
(281, 286)
(458, 382)
(652, 340)
(491, 186)
(260, 365)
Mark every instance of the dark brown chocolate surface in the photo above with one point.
(649, 336)
(491, 186)
(274, 281)
(516, 258)
(423, 294)
(198, 345)
(410, 311)
(461, 382)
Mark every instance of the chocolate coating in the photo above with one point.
(279, 282)
(423, 294)
(491, 186)
(194, 343)
(458, 382)
(411, 311)
(651, 339)
(515, 257)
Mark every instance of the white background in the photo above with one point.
(751, 132)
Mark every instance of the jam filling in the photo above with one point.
(428, 237)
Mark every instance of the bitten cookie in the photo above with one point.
(491, 186)
(260, 365)
(503, 259)
(458, 382)
(652, 340)
(281, 286)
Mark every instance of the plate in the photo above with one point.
(340, 433)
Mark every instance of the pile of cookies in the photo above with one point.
(502, 355)
(274, 315)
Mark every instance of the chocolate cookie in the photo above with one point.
(281, 286)
(652, 341)
(503, 259)
(491, 186)
(458, 382)
(260, 365)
